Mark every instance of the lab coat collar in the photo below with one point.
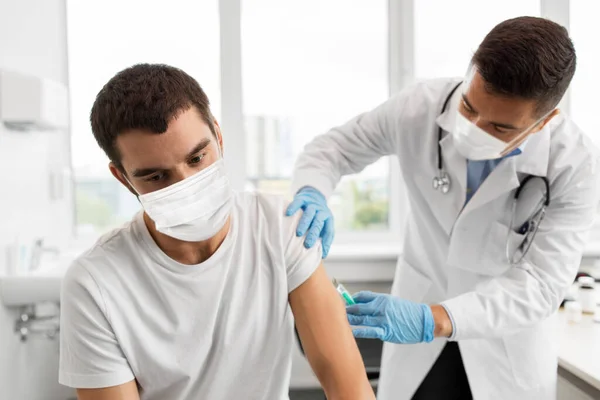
(455, 166)
(446, 119)
(534, 157)
(508, 175)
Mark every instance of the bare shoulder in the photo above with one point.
(126, 391)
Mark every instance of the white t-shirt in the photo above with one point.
(222, 329)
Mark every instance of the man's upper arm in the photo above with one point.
(90, 356)
(126, 391)
(327, 338)
(321, 318)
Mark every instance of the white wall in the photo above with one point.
(32, 41)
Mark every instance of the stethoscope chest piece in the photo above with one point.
(442, 182)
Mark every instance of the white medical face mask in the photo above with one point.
(474, 143)
(193, 209)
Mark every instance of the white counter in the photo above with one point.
(579, 351)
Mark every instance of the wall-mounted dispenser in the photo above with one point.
(30, 103)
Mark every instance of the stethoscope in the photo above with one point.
(528, 229)
(441, 182)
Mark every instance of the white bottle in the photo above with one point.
(11, 260)
(573, 311)
(587, 294)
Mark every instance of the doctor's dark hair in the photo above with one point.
(146, 97)
(527, 57)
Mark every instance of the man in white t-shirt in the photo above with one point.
(196, 297)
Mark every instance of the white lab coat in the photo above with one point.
(504, 316)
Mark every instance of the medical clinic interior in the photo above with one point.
(299, 200)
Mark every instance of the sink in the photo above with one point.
(24, 290)
(42, 285)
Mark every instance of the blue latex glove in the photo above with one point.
(317, 217)
(391, 319)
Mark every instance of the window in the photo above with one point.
(105, 37)
(306, 67)
(447, 33)
(586, 83)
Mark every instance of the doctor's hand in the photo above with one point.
(390, 319)
(317, 217)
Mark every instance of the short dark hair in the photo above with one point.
(144, 96)
(527, 57)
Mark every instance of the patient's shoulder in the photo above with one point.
(259, 204)
(110, 250)
(266, 214)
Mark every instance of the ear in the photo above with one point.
(219, 136)
(116, 172)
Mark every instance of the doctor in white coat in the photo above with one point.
(467, 317)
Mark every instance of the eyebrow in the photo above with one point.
(497, 124)
(138, 173)
(198, 148)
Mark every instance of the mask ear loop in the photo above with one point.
(131, 186)
(518, 140)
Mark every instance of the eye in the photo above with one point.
(155, 178)
(466, 107)
(196, 159)
(501, 129)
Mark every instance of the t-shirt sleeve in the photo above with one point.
(90, 355)
(300, 262)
